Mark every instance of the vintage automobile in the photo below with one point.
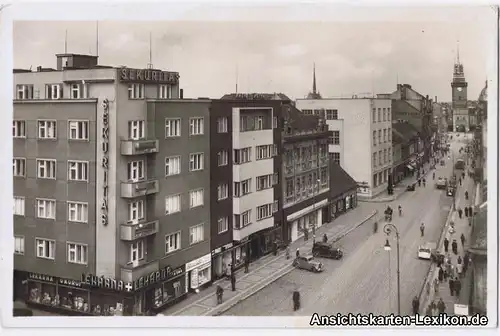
(326, 250)
(442, 163)
(427, 251)
(410, 187)
(308, 263)
(450, 191)
(441, 183)
(460, 164)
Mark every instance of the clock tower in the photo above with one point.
(459, 97)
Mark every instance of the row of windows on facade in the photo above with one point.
(77, 253)
(328, 114)
(305, 186)
(81, 91)
(304, 153)
(381, 114)
(46, 169)
(381, 177)
(384, 136)
(246, 217)
(384, 157)
(335, 157)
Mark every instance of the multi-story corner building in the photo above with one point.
(361, 140)
(111, 188)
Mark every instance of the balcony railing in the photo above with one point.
(144, 267)
(129, 232)
(139, 188)
(138, 147)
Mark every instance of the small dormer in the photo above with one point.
(76, 61)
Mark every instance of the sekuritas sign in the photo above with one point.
(148, 76)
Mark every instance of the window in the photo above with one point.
(77, 253)
(165, 91)
(196, 161)
(136, 91)
(264, 211)
(196, 198)
(18, 206)
(222, 191)
(135, 170)
(222, 158)
(78, 170)
(307, 112)
(251, 123)
(196, 234)
(77, 91)
(379, 136)
(24, 91)
(266, 152)
(53, 91)
(19, 129)
(222, 225)
(136, 129)
(137, 251)
(374, 115)
(19, 167)
(264, 181)
(47, 129)
(379, 115)
(46, 208)
(135, 211)
(275, 206)
(78, 212)
(389, 117)
(374, 138)
(196, 126)
(332, 114)
(18, 245)
(172, 204)
(380, 157)
(222, 125)
(389, 135)
(385, 155)
(275, 122)
(375, 180)
(335, 157)
(242, 188)
(78, 130)
(172, 165)
(172, 242)
(385, 135)
(245, 219)
(172, 127)
(45, 248)
(374, 159)
(242, 155)
(336, 137)
(384, 116)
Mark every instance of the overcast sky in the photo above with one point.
(352, 56)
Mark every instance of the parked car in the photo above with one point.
(441, 183)
(427, 251)
(326, 250)
(410, 187)
(308, 263)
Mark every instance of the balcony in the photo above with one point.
(138, 147)
(140, 188)
(131, 272)
(130, 232)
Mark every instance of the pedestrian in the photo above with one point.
(460, 270)
(446, 243)
(314, 238)
(458, 287)
(451, 284)
(440, 274)
(462, 239)
(247, 263)
(287, 252)
(297, 253)
(460, 180)
(415, 305)
(435, 310)
(219, 292)
(428, 310)
(428, 288)
(233, 282)
(422, 228)
(325, 238)
(441, 306)
(459, 213)
(275, 248)
(466, 212)
(436, 286)
(228, 271)
(306, 235)
(459, 260)
(470, 212)
(454, 246)
(296, 300)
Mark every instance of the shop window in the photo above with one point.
(42, 293)
(73, 299)
(105, 305)
(169, 291)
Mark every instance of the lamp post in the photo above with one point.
(388, 229)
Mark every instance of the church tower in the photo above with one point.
(314, 94)
(459, 97)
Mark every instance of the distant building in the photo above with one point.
(406, 148)
(461, 121)
(314, 94)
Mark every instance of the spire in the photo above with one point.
(458, 52)
(314, 78)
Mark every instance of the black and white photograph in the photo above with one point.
(288, 164)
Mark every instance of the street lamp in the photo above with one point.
(387, 247)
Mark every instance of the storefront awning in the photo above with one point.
(410, 167)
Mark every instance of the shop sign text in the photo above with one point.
(148, 75)
(42, 277)
(157, 276)
(105, 162)
(107, 283)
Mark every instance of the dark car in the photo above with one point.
(411, 187)
(326, 250)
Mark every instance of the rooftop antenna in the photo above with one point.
(237, 73)
(150, 64)
(97, 39)
(373, 85)
(66, 42)
(458, 51)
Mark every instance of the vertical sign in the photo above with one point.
(105, 162)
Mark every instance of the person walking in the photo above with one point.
(415, 305)
(458, 287)
(459, 260)
(428, 288)
(436, 286)
(462, 239)
(460, 270)
(466, 212)
(441, 306)
(296, 300)
(451, 284)
(440, 274)
(219, 292)
(306, 235)
(446, 243)
(454, 246)
(247, 263)
(233, 282)
(325, 238)
(422, 229)
(287, 252)
(428, 310)
(470, 211)
(275, 247)
(460, 213)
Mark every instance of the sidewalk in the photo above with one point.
(267, 269)
(461, 226)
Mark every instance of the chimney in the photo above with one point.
(181, 93)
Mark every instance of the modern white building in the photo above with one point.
(361, 141)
